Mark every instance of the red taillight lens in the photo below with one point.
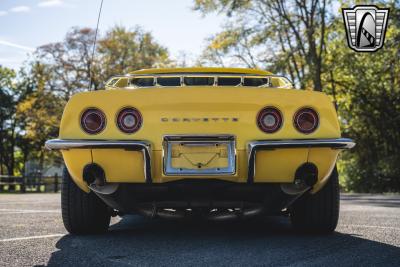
(129, 120)
(93, 121)
(306, 120)
(269, 120)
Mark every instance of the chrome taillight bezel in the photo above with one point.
(129, 111)
(90, 112)
(276, 113)
(306, 111)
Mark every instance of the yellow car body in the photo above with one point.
(200, 111)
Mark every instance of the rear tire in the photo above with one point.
(319, 212)
(82, 213)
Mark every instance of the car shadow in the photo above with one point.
(136, 241)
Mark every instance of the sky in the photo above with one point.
(27, 24)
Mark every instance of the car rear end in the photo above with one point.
(210, 147)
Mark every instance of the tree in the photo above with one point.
(121, 51)
(32, 103)
(7, 120)
(306, 40)
(38, 114)
(286, 36)
(69, 63)
(366, 87)
(72, 68)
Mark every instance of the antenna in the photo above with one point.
(94, 47)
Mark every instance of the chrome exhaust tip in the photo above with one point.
(95, 177)
(306, 177)
(306, 174)
(93, 173)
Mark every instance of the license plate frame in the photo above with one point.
(224, 141)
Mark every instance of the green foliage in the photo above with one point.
(282, 36)
(367, 89)
(43, 123)
(7, 121)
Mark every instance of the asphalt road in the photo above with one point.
(32, 233)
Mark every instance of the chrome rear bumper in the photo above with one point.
(143, 146)
(56, 144)
(253, 147)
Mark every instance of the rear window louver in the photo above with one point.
(199, 81)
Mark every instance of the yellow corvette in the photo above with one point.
(224, 143)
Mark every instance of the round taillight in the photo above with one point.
(306, 120)
(129, 120)
(269, 120)
(93, 121)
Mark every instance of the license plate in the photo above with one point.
(199, 156)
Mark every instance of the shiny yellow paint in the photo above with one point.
(76, 160)
(120, 166)
(279, 165)
(241, 103)
(282, 83)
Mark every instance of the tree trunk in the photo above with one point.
(2, 149)
(1, 162)
(317, 76)
(12, 147)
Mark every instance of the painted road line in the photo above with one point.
(30, 237)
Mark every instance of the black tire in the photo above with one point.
(82, 213)
(319, 212)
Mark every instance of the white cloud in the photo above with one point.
(26, 48)
(20, 9)
(50, 3)
(3, 13)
